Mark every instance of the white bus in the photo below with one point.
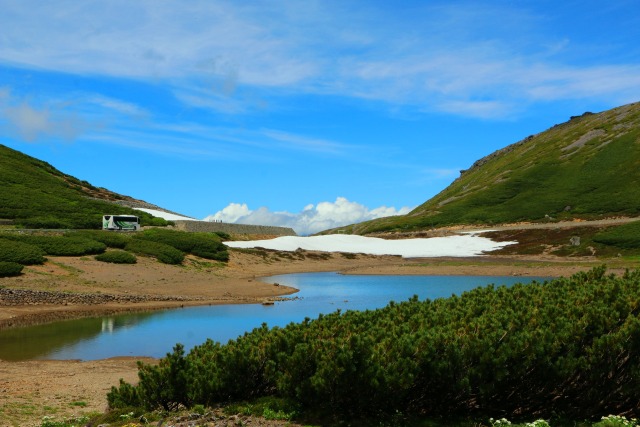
(121, 222)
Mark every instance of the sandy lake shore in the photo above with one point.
(31, 389)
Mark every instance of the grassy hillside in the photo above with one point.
(34, 194)
(588, 167)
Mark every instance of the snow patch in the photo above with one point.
(451, 246)
(166, 215)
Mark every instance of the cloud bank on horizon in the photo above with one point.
(194, 105)
(312, 219)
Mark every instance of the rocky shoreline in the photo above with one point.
(55, 306)
(70, 305)
(20, 297)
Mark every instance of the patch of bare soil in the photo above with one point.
(33, 389)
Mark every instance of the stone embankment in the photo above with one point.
(211, 226)
(206, 226)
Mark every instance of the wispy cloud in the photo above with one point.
(116, 105)
(197, 141)
(304, 143)
(464, 58)
(312, 218)
(108, 120)
(32, 122)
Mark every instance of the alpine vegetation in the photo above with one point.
(569, 347)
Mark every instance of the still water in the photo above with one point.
(155, 334)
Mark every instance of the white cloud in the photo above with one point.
(231, 213)
(312, 219)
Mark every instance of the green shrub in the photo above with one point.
(565, 348)
(223, 236)
(615, 421)
(211, 250)
(204, 245)
(163, 252)
(154, 221)
(117, 257)
(625, 236)
(8, 269)
(110, 238)
(65, 246)
(49, 421)
(19, 252)
(46, 222)
(61, 245)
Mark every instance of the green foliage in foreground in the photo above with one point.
(265, 408)
(117, 257)
(605, 421)
(569, 347)
(8, 269)
(163, 252)
(49, 421)
(625, 236)
(204, 245)
(19, 252)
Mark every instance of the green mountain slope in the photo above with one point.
(588, 167)
(34, 194)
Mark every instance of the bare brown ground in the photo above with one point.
(31, 389)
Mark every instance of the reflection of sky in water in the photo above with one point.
(156, 334)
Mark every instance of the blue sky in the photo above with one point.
(308, 114)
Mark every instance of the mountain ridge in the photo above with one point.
(585, 168)
(34, 194)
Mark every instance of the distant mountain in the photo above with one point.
(586, 168)
(34, 194)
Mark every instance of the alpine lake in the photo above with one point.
(155, 333)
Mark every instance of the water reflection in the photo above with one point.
(107, 325)
(35, 342)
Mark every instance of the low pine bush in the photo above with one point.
(211, 250)
(110, 238)
(568, 348)
(8, 269)
(64, 246)
(163, 252)
(154, 221)
(45, 222)
(625, 236)
(204, 245)
(223, 236)
(117, 257)
(61, 245)
(19, 252)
